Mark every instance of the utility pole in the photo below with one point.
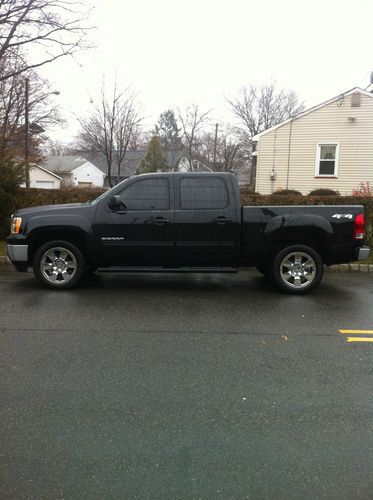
(27, 166)
(215, 144)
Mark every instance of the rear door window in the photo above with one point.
(203, 193)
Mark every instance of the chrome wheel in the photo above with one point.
(298, 270)
(58, 265)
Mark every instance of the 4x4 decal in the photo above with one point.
(342, 216)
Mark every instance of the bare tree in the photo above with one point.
(261, 107)
(56, 147)
(112, 127)
(55, 28)
(231, 150)
(192, 121)
(42, 109)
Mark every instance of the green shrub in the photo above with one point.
(286, 192)
(324, 192)
(248, 192)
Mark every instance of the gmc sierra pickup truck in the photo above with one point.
(176, 222)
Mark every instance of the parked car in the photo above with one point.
(184, 222)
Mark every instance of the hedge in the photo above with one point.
(34, 197)
(286, 192)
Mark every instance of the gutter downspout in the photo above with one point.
(289, 146)
(273, 173)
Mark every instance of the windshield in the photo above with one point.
(103, 195)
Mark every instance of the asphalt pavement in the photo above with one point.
(186, 386)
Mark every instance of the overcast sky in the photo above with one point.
(177, 51)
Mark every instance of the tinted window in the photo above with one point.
(147, 194)
(207, 193)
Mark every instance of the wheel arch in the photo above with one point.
(281, 232)
(42, 235)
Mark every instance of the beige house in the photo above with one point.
(327, 146)
(42, 178)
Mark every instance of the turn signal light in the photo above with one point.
(359, 227)
(16, 225)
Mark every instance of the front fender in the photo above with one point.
(64, 221)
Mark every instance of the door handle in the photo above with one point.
(221, 220)
(159, 221)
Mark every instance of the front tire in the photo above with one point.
(297, 269)
(59, 265)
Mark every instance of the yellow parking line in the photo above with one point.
(359, 339)
(364, 332)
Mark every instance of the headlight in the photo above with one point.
(15, 225)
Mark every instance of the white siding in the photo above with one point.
(292, 148)
(88, 173)
(39, 178)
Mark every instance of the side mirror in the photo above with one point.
(115, 203)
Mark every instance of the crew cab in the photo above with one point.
(184, 222)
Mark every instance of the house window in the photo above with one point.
(327, 160)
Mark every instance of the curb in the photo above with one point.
(362, 268)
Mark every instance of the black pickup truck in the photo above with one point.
(174, 222)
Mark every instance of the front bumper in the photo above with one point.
(18, 253)
(362, 253)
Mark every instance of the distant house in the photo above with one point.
(130, 165)
(243, 175)
(327, 146)
(75, 170)
(87, 169)
(42, 178)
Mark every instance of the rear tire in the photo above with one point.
(59, 265)
(297, 269)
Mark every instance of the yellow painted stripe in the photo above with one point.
(359, 339)
(363, 332)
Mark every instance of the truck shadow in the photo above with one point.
(246, 282)
(178, 282)
(243, 282)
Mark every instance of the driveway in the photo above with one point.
(186, 386)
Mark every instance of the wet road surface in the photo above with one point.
(186, 386)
